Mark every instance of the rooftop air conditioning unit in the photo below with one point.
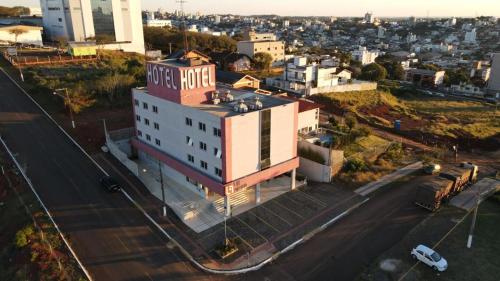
(241, 107)
(257, 104)
(228, 97)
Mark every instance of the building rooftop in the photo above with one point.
(226, 109)
(248, 96)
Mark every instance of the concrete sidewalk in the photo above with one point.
(467, 199)
(261, 233)
(373, 186)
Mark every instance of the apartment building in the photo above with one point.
(364, 56)
(211, 140)
(494, 81)
(306, 79)
(251, 35)
(116, 22)
(275, 48)
(425, 77)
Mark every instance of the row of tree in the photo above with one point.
(13, 11)
(161, 38)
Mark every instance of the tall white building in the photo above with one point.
(118, 22)
(381, 32)
(494, 82)
(364, 56)
(470, 36)
(369, 18)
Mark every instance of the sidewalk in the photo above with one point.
(373, 186)
(261, 233)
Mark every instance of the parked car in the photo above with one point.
(429, 257)
(110, 184)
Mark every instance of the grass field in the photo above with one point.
(434, 115)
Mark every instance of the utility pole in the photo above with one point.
(183, 15)
(170, 48)
(162, 189)
(69, 104)
(455, 149)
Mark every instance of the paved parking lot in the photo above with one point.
(282, 220)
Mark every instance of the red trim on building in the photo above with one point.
(180, 167)
(213, 185)
(226, 136)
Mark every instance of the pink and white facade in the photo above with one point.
(207, 146)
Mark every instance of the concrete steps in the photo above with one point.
(236, 199)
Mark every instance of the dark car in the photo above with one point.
(110, 184)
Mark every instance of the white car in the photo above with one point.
(429, 257)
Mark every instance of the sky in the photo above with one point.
(339, 8)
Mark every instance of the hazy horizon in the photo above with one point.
(354, 8)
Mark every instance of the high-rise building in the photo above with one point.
(494, 82)
(369, 18)
(470, 36)
(118, 23)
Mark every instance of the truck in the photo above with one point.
(474, 170)
(460, 177)
(431, 193)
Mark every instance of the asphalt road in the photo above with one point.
(115, 241)
(111, 237)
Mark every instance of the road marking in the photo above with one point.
(287, 209)
(251, 228)
(276, 215)
(87, 274)
(123, 244)
(312, 198)
(262, 220)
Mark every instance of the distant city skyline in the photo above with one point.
(380, 8)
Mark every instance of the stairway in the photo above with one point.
(236, 199)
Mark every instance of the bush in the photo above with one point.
(311, 155)
(23, 236)
(355, 165)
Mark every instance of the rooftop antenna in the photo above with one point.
(183, 15)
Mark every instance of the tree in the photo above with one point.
(79, 98)
(373, 72)
(16, 32)
(456, 76)
(262, 61)
(115, 84)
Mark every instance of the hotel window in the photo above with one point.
(203, 146)
(189, 141)
(217, 152)
(157, 141)
(217, 132)
(148, 137)
(189, 122)
(155, 109)
(218, 172)
(202, 127)
(145, 105)
(146, 121)
(139, 133)
(138, 118)
(157, 126)
(136, 102)
(203, 164)
(190, 158)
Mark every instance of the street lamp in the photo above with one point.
(473, 223)
(69, 104)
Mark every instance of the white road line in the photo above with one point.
(87, 274)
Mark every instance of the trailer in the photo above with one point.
(474, 170)
(432, 192)
(460, 177)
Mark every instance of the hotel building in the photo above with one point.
(208, 139)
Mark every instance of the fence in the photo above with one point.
(117, 143)
(41, 60)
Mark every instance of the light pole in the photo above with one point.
(69, 104)
(162, 190)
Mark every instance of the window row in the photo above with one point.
(203, 146)
(146, 106)
(203, 127)
(147, 123)
(204, 165)
(148, 138)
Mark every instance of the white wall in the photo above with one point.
(283, 133)
(308, 119)
(173, 131)
(245, 144)
(30, 37)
